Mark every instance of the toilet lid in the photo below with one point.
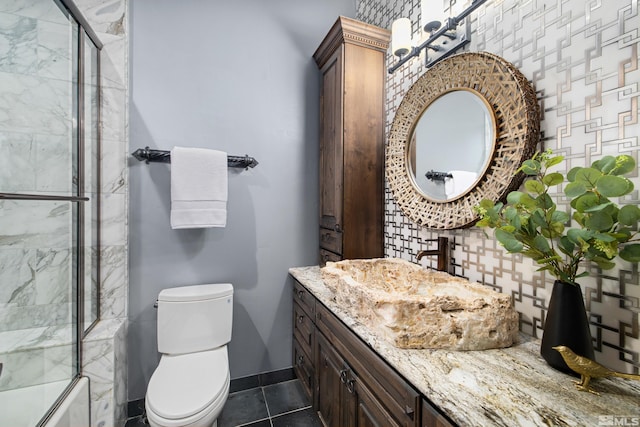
(186, 384)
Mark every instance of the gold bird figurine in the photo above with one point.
(588, 369)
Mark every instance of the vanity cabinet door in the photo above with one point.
(343, 399)
(369, 412)
(331, 144)
(331, 373)
(392, 392)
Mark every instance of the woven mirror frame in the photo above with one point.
(517, 117)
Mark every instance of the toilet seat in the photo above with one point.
(187, 385)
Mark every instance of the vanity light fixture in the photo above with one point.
(446, 35)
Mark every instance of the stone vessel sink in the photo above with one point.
(418, 308)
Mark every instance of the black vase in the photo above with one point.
(566, 324)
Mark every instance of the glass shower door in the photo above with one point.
(48, 210)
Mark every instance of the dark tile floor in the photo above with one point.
(277, 405)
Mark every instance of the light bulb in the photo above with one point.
(401, 36)
(432, 13)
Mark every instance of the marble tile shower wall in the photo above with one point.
(582, 58)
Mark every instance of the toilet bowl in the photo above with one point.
(191, 383)
(188, 390)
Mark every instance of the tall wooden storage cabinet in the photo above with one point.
(352, 61)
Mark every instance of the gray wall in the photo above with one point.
(235, 76)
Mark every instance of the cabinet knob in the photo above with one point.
(301, 294)
(337, 228)
(300, 360)
(343, 376)
(351, 385)
(300, 318)
(409, 411)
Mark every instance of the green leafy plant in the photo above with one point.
(530, 223)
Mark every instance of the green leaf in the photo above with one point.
(584, 202)
(534, 186)
(541, 244)
(566, 245)
(528, 202)
(629, 215)
(544, 201)
(510, 243)
(605, 165)
(560, 216)
(622, 235)
(530, 167)
(624, 165)
(579, 218)
(605, 237)
(514, 197)
(511, 214)
(599, 221)
(556, 229)
(552, 179)
(588, 176)
(553, 161)
(604, 263)
(631, 253)
(575, 189)
(484, 222)
(614, 186)
(577, 235)
(600, 207)
(571, 175)
(487, 204)
(538, 219)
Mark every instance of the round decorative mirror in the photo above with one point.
(459, 136)
(439, 175)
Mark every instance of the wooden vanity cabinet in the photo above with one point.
(348, 383)
(351, 59)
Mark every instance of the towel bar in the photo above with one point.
(163, 156)
(438, 176)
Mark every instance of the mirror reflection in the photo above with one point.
(451, 145)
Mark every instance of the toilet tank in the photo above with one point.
(194, 318)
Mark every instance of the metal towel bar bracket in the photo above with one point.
(163, 156)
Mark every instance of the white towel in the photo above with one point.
(198, 188)
(460, 183)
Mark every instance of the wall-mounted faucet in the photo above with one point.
(442, 253)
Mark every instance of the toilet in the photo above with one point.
(191, 383)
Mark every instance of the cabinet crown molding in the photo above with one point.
(350, 31)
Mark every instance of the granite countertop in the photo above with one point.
(502, 387)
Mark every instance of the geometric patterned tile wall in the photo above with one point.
(582, 58)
